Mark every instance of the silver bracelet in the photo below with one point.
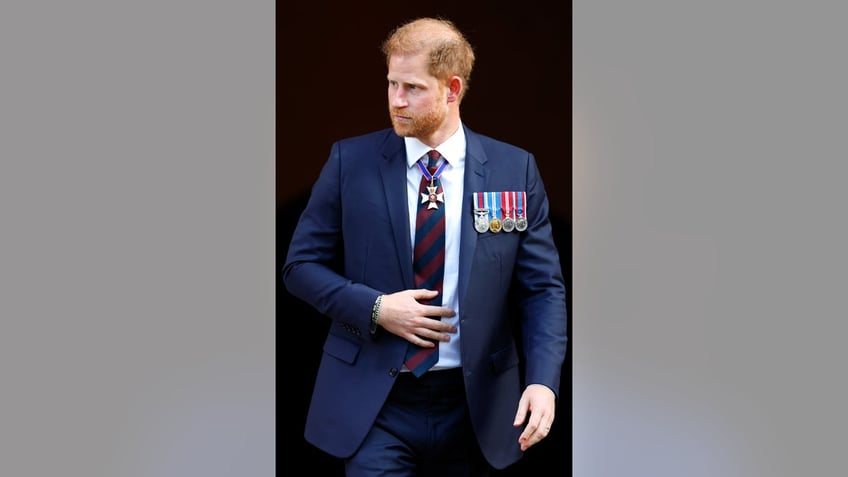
(375, 313)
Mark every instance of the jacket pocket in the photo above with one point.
(504, 359)
(341, 348)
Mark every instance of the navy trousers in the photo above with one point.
(424, 429)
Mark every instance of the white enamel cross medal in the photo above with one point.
(433, 197)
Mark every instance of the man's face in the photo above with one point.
(417, 101)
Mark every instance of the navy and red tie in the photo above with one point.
(429, 255)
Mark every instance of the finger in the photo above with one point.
(424, 294)
(442, 311)
(421, 342)
(543, 430)
(529, 437)
(521, 413)
(443, 327)
(425, 336)
(436, 324)
(526, 440)
(538, 427)
(432, 335)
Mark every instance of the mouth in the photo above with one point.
(398, 117)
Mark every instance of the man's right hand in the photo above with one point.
(403, 314)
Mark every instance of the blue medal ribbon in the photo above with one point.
(426, 172)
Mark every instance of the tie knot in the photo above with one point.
(433, 159)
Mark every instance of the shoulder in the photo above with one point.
(370, 141)
(359, 154)
(489, 147)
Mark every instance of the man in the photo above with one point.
(429, 247)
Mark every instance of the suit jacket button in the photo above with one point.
(393, 372)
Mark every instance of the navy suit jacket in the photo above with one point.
(352, 244)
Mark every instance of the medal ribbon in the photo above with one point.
(505, 197)
(494, 198)
(426, 172)
(521, 198)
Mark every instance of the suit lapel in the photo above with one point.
(475, 181)
(393, 173)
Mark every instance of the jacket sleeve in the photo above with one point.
(311, 271)
(540, 291)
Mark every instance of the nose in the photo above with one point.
(396, 98)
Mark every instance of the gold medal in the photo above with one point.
(495, 225)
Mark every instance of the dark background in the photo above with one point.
(331, 84)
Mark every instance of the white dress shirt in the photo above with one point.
(453, 151)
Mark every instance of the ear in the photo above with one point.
(455, 86)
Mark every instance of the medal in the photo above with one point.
(521, 221)
(495, 207)
(432, 193)
(481, 223)
(481, 212)
(433, 197)
(508, 223)
(521, 224)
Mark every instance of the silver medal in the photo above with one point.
(481, 221)
(521, 224)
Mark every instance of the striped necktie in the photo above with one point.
(429, 254)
